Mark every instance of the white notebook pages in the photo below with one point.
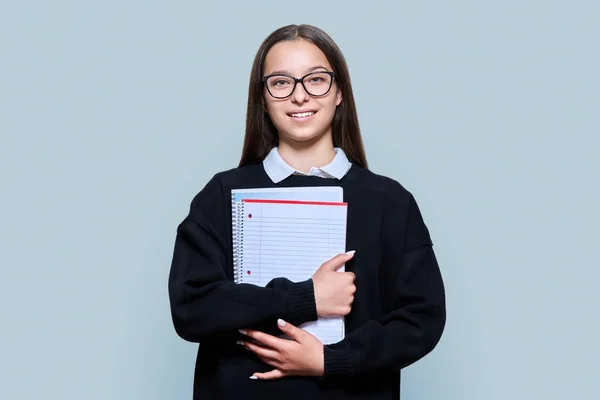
(289, 232)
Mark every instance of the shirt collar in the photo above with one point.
(277, 169)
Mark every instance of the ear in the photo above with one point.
(338, 97)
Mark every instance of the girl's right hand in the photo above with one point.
(334, 291)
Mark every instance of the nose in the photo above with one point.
(300, 95)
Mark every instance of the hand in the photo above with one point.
(334, 291)
(301, 356)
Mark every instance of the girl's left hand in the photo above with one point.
(303, 355)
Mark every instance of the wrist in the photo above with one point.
(321, 371)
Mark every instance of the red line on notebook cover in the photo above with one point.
(318, 203)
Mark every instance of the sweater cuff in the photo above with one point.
(301, 304)
(338, 360)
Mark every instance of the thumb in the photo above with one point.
(336, 262)
(290, 330)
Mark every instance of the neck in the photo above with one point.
(303, 155)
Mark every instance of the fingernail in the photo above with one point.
(350, 252)
(243, 331)
(280, 322)
(242, 344)
(253, 377)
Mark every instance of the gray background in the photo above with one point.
(114, 114)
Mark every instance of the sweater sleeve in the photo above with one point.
(204, 302)
(413, 324)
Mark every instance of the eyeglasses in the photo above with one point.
(315, 84)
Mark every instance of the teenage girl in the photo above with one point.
(302, 130)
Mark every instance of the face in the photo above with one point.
(301, 116)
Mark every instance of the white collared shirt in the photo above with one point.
(277, 169)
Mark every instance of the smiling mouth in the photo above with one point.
(302, 114)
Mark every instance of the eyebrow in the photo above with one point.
(284, 72)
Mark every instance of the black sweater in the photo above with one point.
(397, 317)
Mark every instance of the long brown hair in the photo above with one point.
(261, 135)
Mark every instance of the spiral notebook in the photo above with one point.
(289, 232)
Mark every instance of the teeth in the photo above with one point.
(304, 114)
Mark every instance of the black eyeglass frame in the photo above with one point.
(301, 81)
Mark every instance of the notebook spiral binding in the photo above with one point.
(237, 222)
